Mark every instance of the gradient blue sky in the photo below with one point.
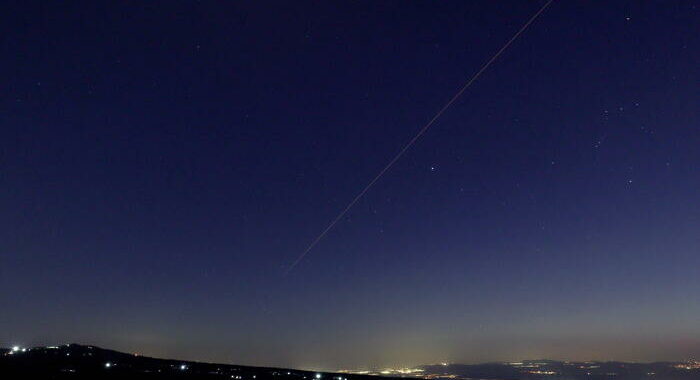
(161, 164)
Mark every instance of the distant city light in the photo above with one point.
(539, 372)
(15, 348)
(688, 365)
(318, 375)
(108, 364)
(183, 367)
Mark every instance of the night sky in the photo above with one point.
(162, 164)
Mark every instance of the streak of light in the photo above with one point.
(417, 136)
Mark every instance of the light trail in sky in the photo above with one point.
(442, 110)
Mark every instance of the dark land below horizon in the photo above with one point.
(76, 361)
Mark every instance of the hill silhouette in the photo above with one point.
(75, 361)
(78, 362)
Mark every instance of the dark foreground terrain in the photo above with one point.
(88, 362)
(558, 370)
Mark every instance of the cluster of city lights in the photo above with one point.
(539, 372)
(692, 364)
(403, 372)
(16, 349)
